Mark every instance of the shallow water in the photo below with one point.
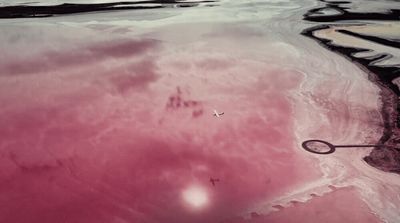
(108, 117)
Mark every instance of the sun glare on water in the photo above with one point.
(195, 196)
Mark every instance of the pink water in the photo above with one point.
(118, 129)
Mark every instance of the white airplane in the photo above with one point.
(217, 114)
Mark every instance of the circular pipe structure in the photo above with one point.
(323, 147)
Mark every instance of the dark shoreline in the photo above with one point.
(314, 15)
(28, 11)
(384, 158)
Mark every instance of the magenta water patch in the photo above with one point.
(83, 147)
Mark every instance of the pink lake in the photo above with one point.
(109, 119)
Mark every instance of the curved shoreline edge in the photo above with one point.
(385, 158)
(41, 11)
